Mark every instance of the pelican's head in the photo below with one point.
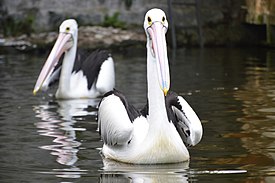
(69, 27)
(155, 26)
(66, 39)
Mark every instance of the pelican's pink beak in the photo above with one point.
(62, 44)
(157, 33)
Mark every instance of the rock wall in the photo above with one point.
(222, 20)
(47, 14)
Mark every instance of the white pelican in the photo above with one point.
(161, 131)
(88, 78)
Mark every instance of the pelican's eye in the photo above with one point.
(67, 29)
(163, 19)
(149, 20)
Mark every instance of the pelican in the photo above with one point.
(86, 78)
(162, 130)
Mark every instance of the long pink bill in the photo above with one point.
(157, 33)
(62, 44)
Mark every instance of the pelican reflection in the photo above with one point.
(58, 120)
(114, 171)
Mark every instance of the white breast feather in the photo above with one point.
(106, 77)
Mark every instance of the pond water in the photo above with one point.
(232, 91)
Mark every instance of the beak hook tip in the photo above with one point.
(165, 91)
(34, 92)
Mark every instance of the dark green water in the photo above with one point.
(232, 91)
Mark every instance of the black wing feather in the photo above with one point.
(171, 100)
(91, 65)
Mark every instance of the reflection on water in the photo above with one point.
(121, 172)
(258, 120)
(180, 172)
(58, 121)
(232, 90)
(236, 93)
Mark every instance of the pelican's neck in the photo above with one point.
(67, 67)
(156, 101)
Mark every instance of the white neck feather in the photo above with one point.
(156, 101)
(67, 67)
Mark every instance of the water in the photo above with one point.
(232, 90)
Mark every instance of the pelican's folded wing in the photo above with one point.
(115, 118)
(91, 65)
(185, 119)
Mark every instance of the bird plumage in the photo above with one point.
(160, 132)
(79, 76)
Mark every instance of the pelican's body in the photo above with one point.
(78, 77)
(159, 132)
